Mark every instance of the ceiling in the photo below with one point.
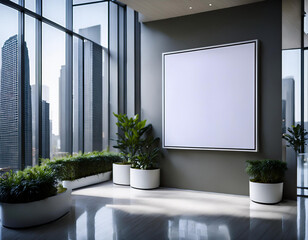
(152, 10)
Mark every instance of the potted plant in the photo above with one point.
(266, 180)
(31, 197)
(144, 173)
(128, 142)
(296, 139)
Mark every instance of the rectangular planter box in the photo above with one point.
(22, 215)
(81, 182)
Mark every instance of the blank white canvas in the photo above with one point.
(210, 98)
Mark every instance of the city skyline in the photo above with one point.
(55, 113)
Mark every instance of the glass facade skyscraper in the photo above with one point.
(10, 108)
(93, 97)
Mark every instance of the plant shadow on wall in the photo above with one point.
(141, 149)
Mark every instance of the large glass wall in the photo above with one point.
(55, 78)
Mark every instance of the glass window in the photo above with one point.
(77, 95)
(15, 1)
(55, 96)
(291, 88)
(55, 10)
(10, 114)
(91, 21)
(83, 1)
(31, 103)
(30, 4)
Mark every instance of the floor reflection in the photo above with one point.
(106, 211)
(190, 229)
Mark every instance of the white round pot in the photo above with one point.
(268, 193)
(121, 173)
(22, 215)
(144, 179)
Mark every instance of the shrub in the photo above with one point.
(82, 165)
(266, 171)
(31, 184)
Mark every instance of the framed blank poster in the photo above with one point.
(210, 98)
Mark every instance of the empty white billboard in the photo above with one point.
(210, 98)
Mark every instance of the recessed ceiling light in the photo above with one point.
(190, 8)
(210, 4)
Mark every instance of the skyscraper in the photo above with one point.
(93, 80)
(64, 112)
(12, 121)
(93, 111)
(45, 128)
(288, 103)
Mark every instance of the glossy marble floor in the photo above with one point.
(107, 211)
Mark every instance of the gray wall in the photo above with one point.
(213, 170)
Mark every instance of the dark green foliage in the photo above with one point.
(266, 171)
(136, 142)
(129, 136)
(148, 152)
(31, 184)
(297, 138)
(82, 165)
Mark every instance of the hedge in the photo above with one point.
(31, 184)
(83, 165)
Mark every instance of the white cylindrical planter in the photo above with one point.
(22, 215)
(144, 179)
(121, 173)
(269, 193)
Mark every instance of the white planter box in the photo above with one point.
(121, 173)
(269, 193)
(144, 179)
(21, 215)
(81, 182)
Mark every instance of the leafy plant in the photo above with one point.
(148, 152)
(266, 171)
(129, 136)
(31, 184)
(297, 138)
(82, 165)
